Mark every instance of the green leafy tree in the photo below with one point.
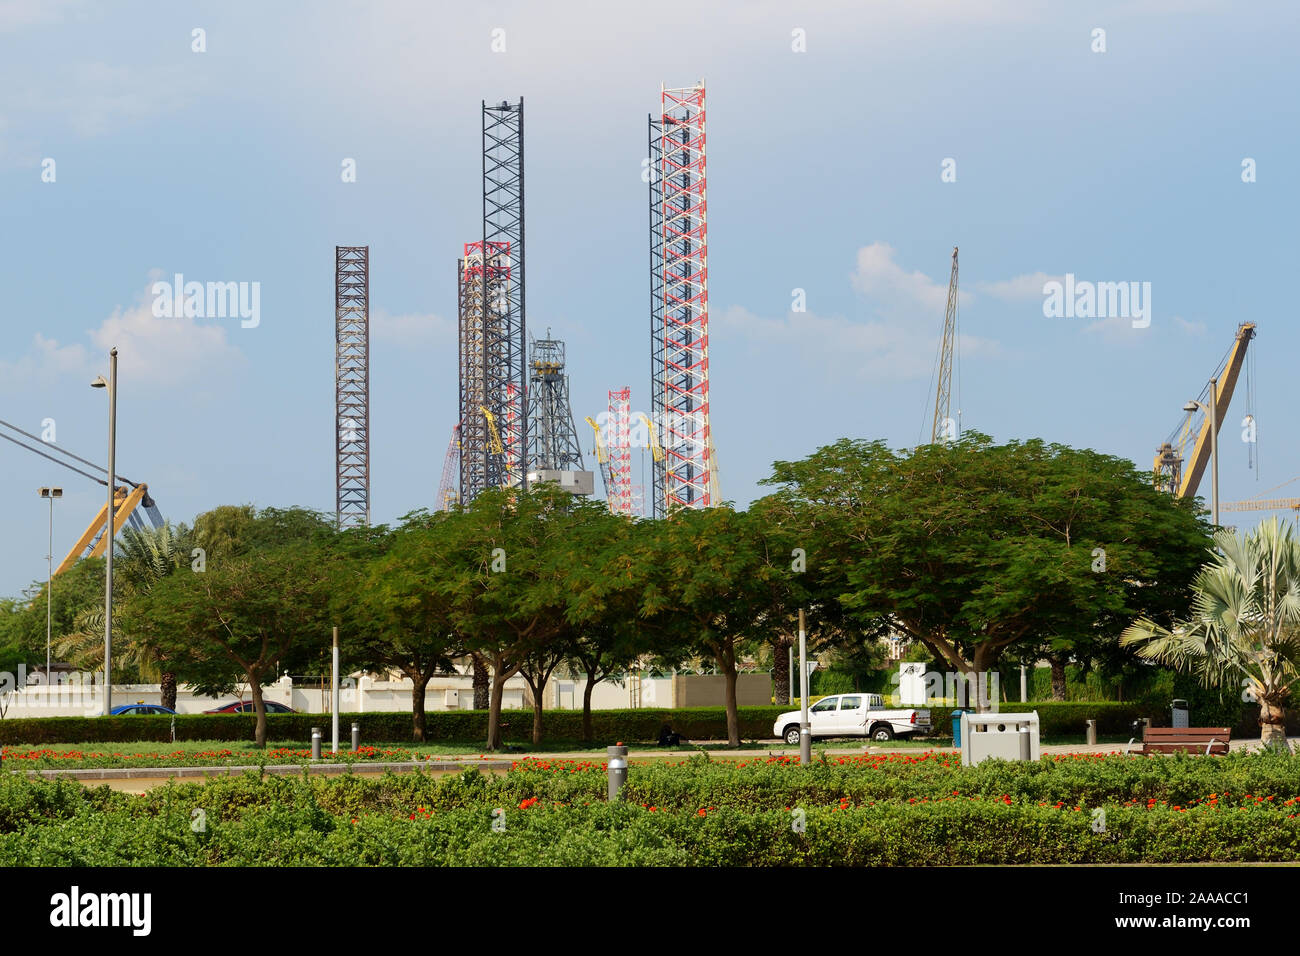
(718, 590)
(388, 592)
(1244, 627)
(247, 615)
(511, 558)
(976, 549)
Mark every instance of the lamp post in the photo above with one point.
(111, 385)
(805, 728)
(1213, 411)
(51, 494)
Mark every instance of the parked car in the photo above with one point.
(246, 707)
(853, 715)
(126, 709)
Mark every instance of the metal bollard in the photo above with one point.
(315, 743)
(1092, 731)
(617, 764)
(356, 736)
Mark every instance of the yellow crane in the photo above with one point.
(125, 501)
(656, 451)
(1170, 473)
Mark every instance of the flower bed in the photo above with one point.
(922, 809)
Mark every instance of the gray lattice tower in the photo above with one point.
(552, 435)
(352, 385)
(505, 329)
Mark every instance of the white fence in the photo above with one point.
(80, 695)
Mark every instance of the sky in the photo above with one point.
(834, 130)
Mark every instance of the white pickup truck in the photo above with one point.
(853, 715)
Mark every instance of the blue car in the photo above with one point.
(140, 709)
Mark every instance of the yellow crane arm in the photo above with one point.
(1200, 457)
(601, 456)
(497, 447)
(656, 451)
(125, 503)
(1262, 504)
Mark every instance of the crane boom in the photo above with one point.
(943, 393)
(1227, 382)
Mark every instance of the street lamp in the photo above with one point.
(51, 494)
(1213, 411)
(111, 385)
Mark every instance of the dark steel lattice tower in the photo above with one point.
(352, 385)
(552, 434)
(679, 309)
(494, 400)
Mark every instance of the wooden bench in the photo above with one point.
(1191, 740)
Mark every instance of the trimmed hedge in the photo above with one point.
(1057, 719)
(455, 726)
(886, 810)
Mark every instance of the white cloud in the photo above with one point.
(46, 364)
(152, 353)
(18, 14)
(166, 353)
(1191, 328)
(1022, 288)
(878, 276)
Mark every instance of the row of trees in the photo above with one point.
(985, 554)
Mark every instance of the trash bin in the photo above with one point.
(1001, 736)
(956, 726)
(1181, 713)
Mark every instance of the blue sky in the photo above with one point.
(824, 175)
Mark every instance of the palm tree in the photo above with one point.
(1244, 629)
(144, 556)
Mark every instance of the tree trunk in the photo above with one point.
(781, 670)
(259, 708)
(480, 684)
(587, 733)
(1058, 677)
(537, 714)
(1272, 724)
(419, 687)
(168, 687)
(494, 710)
(733, 713)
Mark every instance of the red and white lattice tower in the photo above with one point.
(679, 311)
(619, 429)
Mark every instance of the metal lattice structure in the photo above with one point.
(552, 434)
(448, 487)
(679, 310)
(619, 443)
(352, 385)
(490, 282)
(943, 428)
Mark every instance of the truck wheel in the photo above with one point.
(882, 732)
(791, 735)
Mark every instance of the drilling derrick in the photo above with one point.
(554, 453)
(679, 309)
(619, 490)
(503, 237)
(352, 385)
(490, 282)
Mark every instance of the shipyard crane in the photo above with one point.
(602, 459)
(941, 429)
(448, 494)
(128, 496)
(1172, 471)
